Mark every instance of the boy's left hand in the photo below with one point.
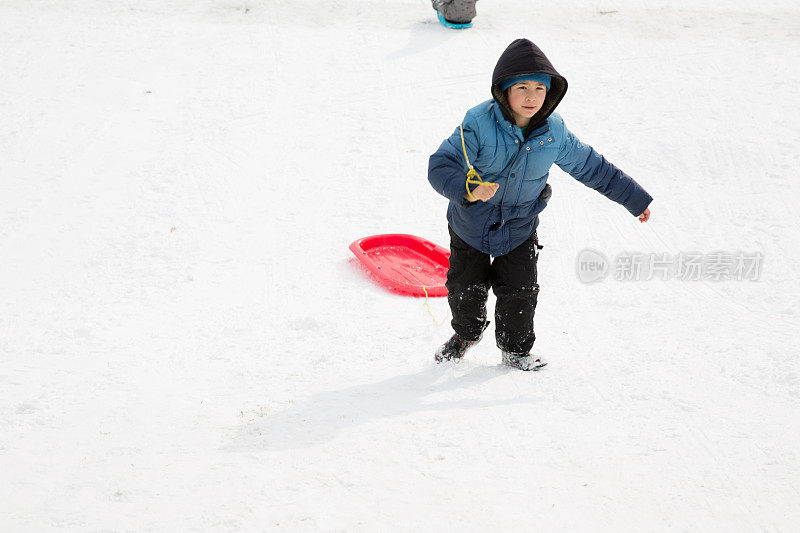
(644, 217)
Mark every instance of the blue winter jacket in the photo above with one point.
(501, 154)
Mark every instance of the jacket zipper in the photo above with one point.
(502, 200)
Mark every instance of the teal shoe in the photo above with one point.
(453, 25)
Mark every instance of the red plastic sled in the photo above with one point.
(405, 264)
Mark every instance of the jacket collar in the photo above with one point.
(511, 128)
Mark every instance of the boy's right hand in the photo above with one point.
(483, 192)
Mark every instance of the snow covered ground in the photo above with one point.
(186, 342)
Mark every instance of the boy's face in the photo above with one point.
(525, 99)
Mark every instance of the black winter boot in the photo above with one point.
(523, 361)
(455, 348)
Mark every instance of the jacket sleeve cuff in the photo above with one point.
(637, 208)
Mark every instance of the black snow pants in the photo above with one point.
(513, 280)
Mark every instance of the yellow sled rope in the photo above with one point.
(472, 175)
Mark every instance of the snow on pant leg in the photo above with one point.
(514, 283)
(468, 288)
(459, 11)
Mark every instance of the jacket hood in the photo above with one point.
(524, 57)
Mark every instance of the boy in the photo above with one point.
(511, 141)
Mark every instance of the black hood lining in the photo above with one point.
(524, 57)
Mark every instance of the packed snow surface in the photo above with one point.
(187, 343)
